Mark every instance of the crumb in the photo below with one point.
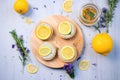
(94, 64)
(45, 6)
(13, 45)
(95, 76)
(53, 1)
(60, 78)
(79, 58)
(28, 21)
(51, 73)
(60, 75)
(35, 8)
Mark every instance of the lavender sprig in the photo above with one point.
(107, 16)
(69, 69)
(20, 47)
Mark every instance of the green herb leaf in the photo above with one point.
(91, 14)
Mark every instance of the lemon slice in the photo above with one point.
(64, 27)
(84, 64)
(67, 4)
(43, 32)
(44, 51)
(68, 52)
(32, 68)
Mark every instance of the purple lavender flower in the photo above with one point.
(103, 25)
(21, 38)
(27, 50)
(13, 45)
(104, 10)
(69, 69)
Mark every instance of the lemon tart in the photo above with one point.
(44, 31)
(47, 51)
(68, 53)
(66, 29)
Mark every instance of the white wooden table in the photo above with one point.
(107, 68)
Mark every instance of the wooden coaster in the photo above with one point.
(56, 40)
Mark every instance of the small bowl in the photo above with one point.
(89, 22)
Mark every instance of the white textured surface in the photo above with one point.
(108, 68)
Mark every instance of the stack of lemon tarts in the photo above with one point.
(47, 51)
(66, 29)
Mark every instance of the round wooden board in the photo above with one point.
(56, 40)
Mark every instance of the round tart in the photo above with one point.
(44, 31)
(68, 53)
(66, 29)
(47, 51)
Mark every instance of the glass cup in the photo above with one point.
(84, 20)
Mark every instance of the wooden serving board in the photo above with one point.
(56, 40)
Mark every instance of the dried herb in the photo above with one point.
(91, 14)
(20, 47)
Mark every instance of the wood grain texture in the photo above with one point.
(56, 40)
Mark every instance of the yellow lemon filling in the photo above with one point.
(68, 52)
(84, 64)
(67, 4)
(44, 51)
(43, 32)
(32, 68)
(64, 27)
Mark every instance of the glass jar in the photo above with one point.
(89, 14)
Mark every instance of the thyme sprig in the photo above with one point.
(23, 51)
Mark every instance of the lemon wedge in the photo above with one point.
(67, 4)
(68, 52)
(84, 64)
(64, 27)
(44, 51)
(32, 68)
(43, 32)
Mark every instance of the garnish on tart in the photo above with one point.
(44, 31)
(67, 53)
(47, 51)
(66, 29)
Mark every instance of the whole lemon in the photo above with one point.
(102, 43)
(21, 6)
